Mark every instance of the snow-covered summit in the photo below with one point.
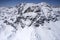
(44, 10)
(32, 12)
(34, 19)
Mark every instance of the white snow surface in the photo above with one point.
(15, 22)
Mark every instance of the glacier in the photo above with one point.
(30, 21)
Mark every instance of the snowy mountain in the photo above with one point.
(30, 21)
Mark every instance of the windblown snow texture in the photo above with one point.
(30, 21)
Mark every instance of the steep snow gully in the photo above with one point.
(30, 21)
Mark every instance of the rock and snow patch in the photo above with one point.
(29, 21)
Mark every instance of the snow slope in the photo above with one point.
(30, 21)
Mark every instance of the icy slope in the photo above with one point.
(29, 21)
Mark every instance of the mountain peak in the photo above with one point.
(31, 12)
(30, 21)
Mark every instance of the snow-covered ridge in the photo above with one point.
(26, 15)
(34, 13)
